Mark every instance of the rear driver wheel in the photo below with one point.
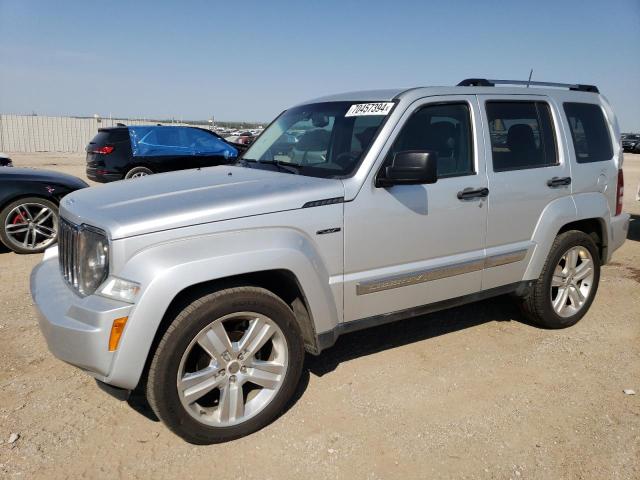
(568, 283)
(137, 172)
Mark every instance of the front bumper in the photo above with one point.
(619, 232)
(76, 329)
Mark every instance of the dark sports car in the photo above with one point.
(29, 200)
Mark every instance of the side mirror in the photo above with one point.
(411, 168)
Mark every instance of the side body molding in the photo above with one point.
(166, 269)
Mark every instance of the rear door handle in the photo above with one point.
(470, 192)
(556, 182)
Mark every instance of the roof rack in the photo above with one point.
(483, 82)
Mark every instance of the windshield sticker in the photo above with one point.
(361, 109)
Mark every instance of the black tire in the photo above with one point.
(10, 242)
(136, 172)
(536, 304)
(162, 392)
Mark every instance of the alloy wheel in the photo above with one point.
(232, 369)
(572, 281)
(31, 226)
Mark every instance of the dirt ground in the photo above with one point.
(468, 393)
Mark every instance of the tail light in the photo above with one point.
(620, 192)
(103, 150)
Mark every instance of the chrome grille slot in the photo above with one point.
(68, 236)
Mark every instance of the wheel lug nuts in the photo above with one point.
(226, 356)
(222, 372)
(232, 378)
(243, 369)
(241, 357)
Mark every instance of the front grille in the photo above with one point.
(68, 238)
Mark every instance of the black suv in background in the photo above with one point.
(631, 143)
(136, 151)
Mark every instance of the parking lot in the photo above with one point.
(472, 392)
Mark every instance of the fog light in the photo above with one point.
(120, 289)
(116, 332)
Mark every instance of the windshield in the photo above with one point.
(321, 140)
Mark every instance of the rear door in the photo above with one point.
(528, 168)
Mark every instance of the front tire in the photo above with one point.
(227, 365)
(567, 284)
(29, 225)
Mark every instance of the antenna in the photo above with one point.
(530, 75)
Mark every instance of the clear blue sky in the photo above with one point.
(246, 60)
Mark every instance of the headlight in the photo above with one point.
(94, 259)
(120, 289)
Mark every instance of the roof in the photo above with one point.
(388, 95)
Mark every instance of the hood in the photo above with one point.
(190, 197)
(37, 175)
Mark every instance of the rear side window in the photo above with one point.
(522, 135)
(589, 132)
(110, 136)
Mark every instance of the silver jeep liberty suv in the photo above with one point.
(204, 288)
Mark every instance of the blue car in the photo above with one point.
(136, 151)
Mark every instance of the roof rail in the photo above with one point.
(483, 82)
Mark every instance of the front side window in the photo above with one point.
(324, 139)
(521, 134)
(201, 142)
(589, 132)
(444, 129)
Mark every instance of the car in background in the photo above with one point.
(29, 200)
(136, 151)
(246, 138)
(631, 143)
(5, 161)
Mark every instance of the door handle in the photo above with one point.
(470, 192)
(556, 182)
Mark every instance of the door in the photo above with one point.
(410, 245)
(528, 170)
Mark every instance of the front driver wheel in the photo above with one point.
(29, 225)
(226, 366)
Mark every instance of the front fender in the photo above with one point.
(167, 269)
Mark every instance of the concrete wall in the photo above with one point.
(30, 133)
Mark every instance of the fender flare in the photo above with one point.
(167, 269)
(555, 216)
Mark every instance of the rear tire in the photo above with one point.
(137, 172)
(196, 355)
(563, 293)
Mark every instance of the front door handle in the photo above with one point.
(470, 192)
(556, 182)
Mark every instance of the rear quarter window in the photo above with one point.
(589, 131)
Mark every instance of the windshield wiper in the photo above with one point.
(287, 167)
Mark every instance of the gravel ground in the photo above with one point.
(468, 393)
